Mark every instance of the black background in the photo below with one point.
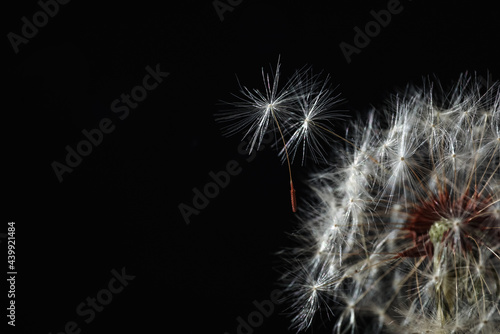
(119, 207)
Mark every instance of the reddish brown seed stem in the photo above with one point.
(293, 197)
(292, 189)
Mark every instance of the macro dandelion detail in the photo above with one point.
(402, 231)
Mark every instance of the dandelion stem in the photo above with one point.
(292, 189)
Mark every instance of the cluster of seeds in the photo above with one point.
(404, 234)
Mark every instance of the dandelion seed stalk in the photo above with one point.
(292, 189)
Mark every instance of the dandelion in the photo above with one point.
(403, 233)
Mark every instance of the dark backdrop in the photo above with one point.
(119, 207)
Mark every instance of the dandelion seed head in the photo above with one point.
(409, 216)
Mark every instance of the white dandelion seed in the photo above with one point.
(297, 110)
(313, 113)
(255, 111)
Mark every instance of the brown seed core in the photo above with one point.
(469, 210)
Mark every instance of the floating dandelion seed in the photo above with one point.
(255, 111)
(313, 113)
(404, 236)
(300, 107)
